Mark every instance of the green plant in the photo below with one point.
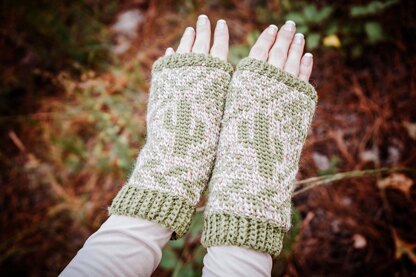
(175, 255)
(289, 244)
(57, 33)
(311, 21)
(346, 26)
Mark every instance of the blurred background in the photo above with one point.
(74, 78)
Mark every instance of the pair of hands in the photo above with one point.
(281, 48)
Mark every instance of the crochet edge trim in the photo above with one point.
(191, 59)
(235, 230)
(271, 71)
(169, 211)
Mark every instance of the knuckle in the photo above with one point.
(285, 34)
(221, 34)
(258, 51)
(218, 47)
(185, 39)
(267, 37)
(296, 48)
(203, 30)
(278, 52)
(199, 47)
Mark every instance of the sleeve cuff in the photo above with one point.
(169, 211)
(235, 230)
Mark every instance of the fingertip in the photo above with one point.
(265, 41)
(187, 40)
(221, 41)
(306, 65)
(203, 21)
(203, 35)
(169, 51)
(307, 59)
(189, 31)
(272, 29)
(221, 25)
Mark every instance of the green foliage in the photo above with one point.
(169, 259)
(60, 33)
(177, 244)
(197, 224)
(98, 130)
(309, 20)
(333, 167)
(371, 8)
(175, 252)
(346, 26)
(310, 14)
(240, 51)
(289, 244)
(90, 137)
(374, 31)
(184, 270)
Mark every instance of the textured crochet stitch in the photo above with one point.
(185, 108)
(266, 119)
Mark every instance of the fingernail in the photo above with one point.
(290, 25)
(189, 31)
(272, 29)
(169, 51)
(221, 24)
(298, 38)
(202, 19)
(307, 59)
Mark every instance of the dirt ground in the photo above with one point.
(366, 119)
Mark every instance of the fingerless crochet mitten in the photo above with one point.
(266, 120)
(185, 108)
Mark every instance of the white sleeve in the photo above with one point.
(123, 246)
(126, 246)
(236, 261)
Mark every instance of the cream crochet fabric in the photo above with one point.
(185, 107)
(266, 120)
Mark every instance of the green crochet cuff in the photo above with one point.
(271, 71)
(167, 210)
(235, 230)
(191, 59)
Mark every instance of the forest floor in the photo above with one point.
(69, 148)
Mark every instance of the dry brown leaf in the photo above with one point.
(411, 129)
(398, 181)
(404, 248)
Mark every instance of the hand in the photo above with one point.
(283, 49)
(199, 41)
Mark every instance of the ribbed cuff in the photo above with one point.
(169, 211)
(227, 229)
(191, 59)
(271, 71)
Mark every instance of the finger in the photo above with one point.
(261, 48)
(203, 35)
(221, 38)
(169, 51)
(295, 54)
(306, 65)
(278, 54)
(187, 40)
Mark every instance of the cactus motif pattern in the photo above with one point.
(266, 119)
(185, 107)
(183, 130)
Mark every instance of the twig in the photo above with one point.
(316, 181)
